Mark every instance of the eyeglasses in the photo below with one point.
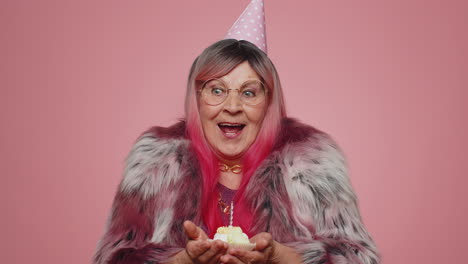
(215, 92)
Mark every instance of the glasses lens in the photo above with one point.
(214, 92)
(252, 93)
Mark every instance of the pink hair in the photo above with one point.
(216, 61)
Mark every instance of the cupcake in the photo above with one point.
(234, 236)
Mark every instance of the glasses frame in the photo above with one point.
(200, 90)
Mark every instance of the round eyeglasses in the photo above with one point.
(215, 92)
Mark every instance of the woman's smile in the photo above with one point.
(231, 130)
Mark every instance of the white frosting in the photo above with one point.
(222, 237)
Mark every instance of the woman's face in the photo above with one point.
(231, 127)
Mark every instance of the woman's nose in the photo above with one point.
(233, 103)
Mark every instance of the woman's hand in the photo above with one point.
(199, 250)
(266, 250)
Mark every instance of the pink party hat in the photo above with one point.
(250, 25)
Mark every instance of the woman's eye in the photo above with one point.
(217, 91)
(249, 93)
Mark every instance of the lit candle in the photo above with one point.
(232, 213)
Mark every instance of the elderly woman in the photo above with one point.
(287, 181)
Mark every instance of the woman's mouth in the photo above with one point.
(231, 130)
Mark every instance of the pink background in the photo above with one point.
(80, 80)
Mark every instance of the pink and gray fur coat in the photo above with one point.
(300, 194)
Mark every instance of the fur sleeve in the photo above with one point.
(325, 203)
(140, 219)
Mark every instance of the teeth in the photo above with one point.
(231, 125)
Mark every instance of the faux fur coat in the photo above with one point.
(300, 194)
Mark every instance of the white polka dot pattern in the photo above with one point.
(251, 25)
